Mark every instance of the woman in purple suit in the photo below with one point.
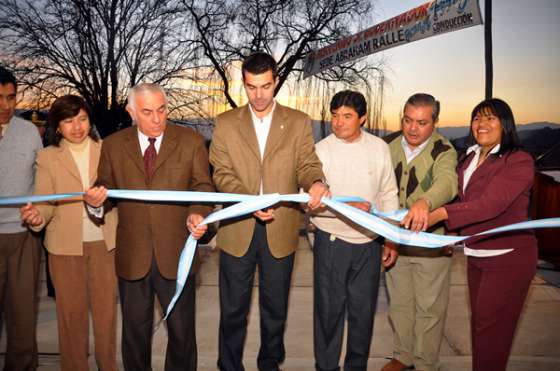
(495, 180)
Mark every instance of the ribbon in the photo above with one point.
(247, 204)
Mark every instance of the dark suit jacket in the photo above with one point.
(289, 163)
(148, 228)
(497, 194)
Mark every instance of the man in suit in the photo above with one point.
(418, 283)
(259, 148)
(150, 236)
(19, 250)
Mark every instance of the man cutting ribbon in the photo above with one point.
(150, 235)
(262, 147)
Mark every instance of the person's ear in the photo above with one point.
(131, 112)
(363, 120)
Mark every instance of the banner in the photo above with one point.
(430, 19)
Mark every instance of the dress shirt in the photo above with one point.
(3, 130)
(262, 128)
(144, 142)
(466, 178)
(411, 153)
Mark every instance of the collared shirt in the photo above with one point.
(411, 153)
(144, 142)
(466, 178)
(3, 130)
(262, 127)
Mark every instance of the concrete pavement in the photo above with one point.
(536, 346)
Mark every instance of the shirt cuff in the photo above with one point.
(96, 211)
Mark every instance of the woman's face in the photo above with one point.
(487, 129)
(75, 129)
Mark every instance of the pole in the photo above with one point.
(488, 47)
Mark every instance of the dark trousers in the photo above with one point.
(137, 302)
(19, 276)
(346, 283)
(236, 286)
(498, 287)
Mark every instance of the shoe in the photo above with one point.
(394, 365)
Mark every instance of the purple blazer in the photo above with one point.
(497, 194)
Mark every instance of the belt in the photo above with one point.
(418, 251)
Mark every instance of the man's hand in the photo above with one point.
(264, 215)
(317, 191)
(417, 217)
(193, 225)
(390, 254)
(364, 206)
(95, 196)
(30, 215)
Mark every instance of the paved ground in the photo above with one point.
(536, 346)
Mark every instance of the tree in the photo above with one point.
(226, 31)
(97, 48)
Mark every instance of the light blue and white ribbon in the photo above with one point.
(248, 204)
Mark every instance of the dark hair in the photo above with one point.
(423, 99)
(6, 77)
(65, 107)
(510, 140)
(351, 99)
(258, 63)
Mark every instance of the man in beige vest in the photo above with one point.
(262, 147)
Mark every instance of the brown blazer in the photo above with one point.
(289, 163)
(57, 173)
(149, 229)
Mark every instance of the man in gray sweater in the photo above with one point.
(19, 250)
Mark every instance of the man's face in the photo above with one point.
(260, 91)
(7, 102)
(417, 124)
(149, 113)
(346, 124)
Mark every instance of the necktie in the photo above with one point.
(150, 155)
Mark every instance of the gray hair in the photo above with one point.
(144, 88)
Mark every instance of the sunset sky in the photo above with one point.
(526, 36)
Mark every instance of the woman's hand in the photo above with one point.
(436, 216)
(30, 215)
